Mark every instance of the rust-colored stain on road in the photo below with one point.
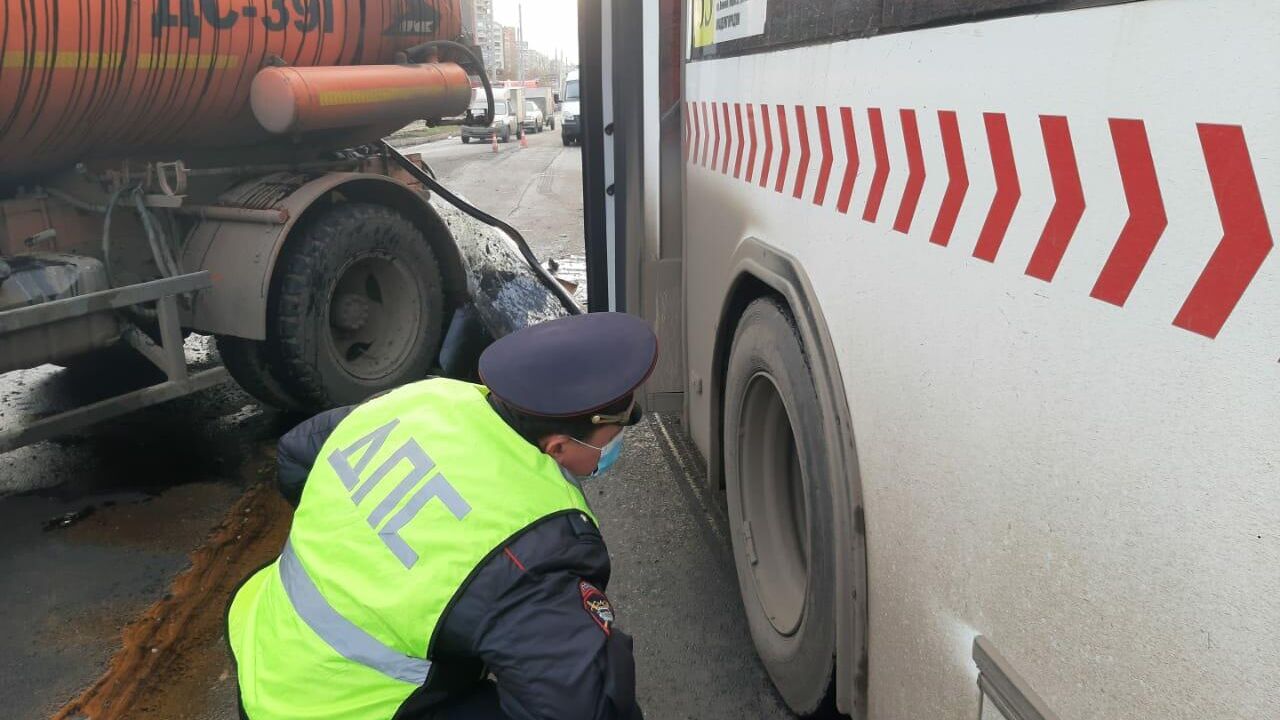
(170, 653)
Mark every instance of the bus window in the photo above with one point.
(901, 14)
(789, 24)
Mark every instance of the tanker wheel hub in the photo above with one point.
(350, 312)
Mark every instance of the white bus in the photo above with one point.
(973, 309)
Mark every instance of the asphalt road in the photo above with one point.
(148, 522)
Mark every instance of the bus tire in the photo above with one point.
(357, 306)
(780, 505)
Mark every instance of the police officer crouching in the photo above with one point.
(442, 539)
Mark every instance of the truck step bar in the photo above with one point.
(167, 355)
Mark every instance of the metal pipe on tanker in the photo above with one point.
(287, 100)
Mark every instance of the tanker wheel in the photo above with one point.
(254, 369)
(777, 487)
(465, 139)
(357, 306)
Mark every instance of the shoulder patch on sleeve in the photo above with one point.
(582, 525)
(597, 605)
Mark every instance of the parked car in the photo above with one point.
(505, 124)
(533, 120)
(545, 98)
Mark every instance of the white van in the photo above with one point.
(570, 115)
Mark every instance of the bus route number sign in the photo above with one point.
(716, 21)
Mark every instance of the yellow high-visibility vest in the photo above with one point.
(410, 495)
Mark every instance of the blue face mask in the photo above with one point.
(609, 453)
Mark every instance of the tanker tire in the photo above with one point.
(250, 366)
(306, 281)
(780, 507)
(465, 139)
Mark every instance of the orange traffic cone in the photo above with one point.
(524, 139)
(494, 137)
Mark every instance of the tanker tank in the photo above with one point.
(172, 78)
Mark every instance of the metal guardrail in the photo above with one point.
(167, 354)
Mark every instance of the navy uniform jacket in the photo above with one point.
(535, 616)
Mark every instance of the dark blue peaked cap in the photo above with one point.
(570, 366)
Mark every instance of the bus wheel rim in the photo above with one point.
(774, 514)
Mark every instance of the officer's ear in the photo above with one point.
(556, 446)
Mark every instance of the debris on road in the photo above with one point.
(571, 272)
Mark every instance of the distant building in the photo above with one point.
(509, 49)
(468, 8)
(488, 35)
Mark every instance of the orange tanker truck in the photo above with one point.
(214, 166)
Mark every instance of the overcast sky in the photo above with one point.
(549, 25)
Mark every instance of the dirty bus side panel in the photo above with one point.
(1041, 240)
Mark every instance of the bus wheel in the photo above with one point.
(357, 306)
(780, 513)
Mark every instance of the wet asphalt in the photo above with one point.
(95, 527)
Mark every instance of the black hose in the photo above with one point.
(426, 179)
(418, 51)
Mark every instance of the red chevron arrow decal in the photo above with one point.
(768, 147)
(1008, 191)
(802, 129)
(1147, 219)
(958, 179)
(1068, 207)
(1246, 239)
(882, 165)
(824, 170)
(737, 164)
(687, 137)
(851, 154)
(728, 138)
(706, 133)
(697, 130)
(786, 150)
(715, 149)
(915, 172)
(751, 156)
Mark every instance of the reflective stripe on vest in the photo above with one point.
(339, 633)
